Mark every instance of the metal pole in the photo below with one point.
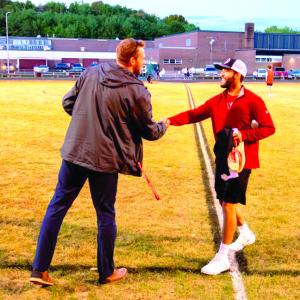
(7, 46)
(212, 40)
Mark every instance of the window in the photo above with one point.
(188, 42)
(264, 59)
(173, 61)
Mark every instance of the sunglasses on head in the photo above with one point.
(137, 43)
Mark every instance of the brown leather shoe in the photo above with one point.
(118, 274)
(41, 278)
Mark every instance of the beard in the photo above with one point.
(227, 83)
(137, 70)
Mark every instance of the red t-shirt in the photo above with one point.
(270, 76)
(244, 108)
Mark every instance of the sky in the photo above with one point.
(224, 15)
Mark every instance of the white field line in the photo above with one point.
(236, 277)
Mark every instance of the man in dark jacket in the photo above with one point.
(111, 113)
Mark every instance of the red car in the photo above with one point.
(280, 72)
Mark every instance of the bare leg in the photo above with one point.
(230, 222)
(239, 217)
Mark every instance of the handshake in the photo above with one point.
(166, 121)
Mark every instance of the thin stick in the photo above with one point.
(156, 196)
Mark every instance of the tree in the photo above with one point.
(175, 18)
(286, 29)
(4, 3)
(96, 20)
(55, 7)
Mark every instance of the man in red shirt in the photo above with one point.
(238, 109)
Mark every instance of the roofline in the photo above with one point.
(57, 38)
(227, 31)
(276, 33)
(177, 47)
(277, 50)
(195, 31)
(56, 55)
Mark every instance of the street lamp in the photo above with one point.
(211, 48)
(46, 48)
(7, 46)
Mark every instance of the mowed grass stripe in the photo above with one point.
(163, 243)
(273, 263)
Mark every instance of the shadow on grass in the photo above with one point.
(66, 269)
(292, 273)
(162, 270)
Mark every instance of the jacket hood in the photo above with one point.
(113, 75)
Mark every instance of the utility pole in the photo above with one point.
(211, 42)
(7, 45)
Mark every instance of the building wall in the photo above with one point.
(187, 55)
(152, 54)
(189, 39)
(291, 61)
(223, 47)
(248, 57)
(28, 64)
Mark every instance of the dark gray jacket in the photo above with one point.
(111, 113)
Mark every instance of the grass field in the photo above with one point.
(162, 243)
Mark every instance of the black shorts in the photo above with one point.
(233, 190)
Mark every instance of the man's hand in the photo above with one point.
(166, 121)
(237, 136)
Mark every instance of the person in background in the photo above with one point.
(111, 113)
(240, 110)
(269, 79)
(149, 79)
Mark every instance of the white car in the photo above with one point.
(211, 72)
(41, 69)
(260, 74)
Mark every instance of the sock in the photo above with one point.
(224, 249)
(243, 228)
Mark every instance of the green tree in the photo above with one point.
(175, 18)
(5, 3)
(275, 29)
(96, 20)
(55, 7)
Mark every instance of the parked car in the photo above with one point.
(41, 69)
(294, 74)
(77, 67)
(93, 64)
(260, 74)
(280, 72)
(197, 71)
(62, 66)
(210, 71)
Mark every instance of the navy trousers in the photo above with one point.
(103, 189)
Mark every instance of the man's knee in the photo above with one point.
(229, 207)
(107, 219)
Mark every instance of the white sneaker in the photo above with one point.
(242, 241)
(217, 265)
